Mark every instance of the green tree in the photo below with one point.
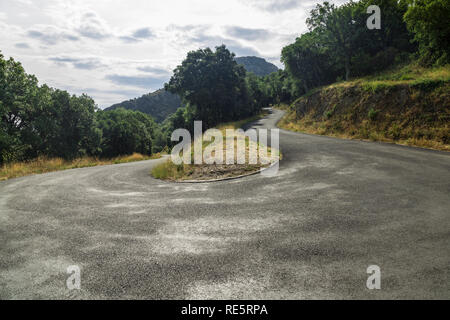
(37, 120)
(125, 132)
(308, 60)
(379, 49)
(339, 28)
(340, 45)
(18, 95)
(428, 20)
(74, 125)
(258, 93)
(213, 84)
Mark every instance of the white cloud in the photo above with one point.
(90, 25)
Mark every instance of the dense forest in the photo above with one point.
(36, 120)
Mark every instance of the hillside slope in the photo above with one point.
(258, 66)
(158, 104)
(409, 106)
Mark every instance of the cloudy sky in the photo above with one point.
(115, 50)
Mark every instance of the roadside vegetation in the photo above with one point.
(391, 84)
(43, 165)
(197, 172)
(412, 74)
(409, 105)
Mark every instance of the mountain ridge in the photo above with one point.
(258, 66)
(158, 104)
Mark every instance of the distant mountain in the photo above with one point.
(158, 104)
(258, 66)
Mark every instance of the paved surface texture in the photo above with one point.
(336, 207)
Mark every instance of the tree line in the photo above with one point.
(41, 121)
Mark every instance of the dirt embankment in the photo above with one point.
(412, 114)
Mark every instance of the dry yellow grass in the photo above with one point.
(43, 165)
(289, 122)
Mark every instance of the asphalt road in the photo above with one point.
(335, 207)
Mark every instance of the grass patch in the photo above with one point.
(170, 171)
(375, 86)
(411, 74)
(311, 92)
(373, 114)
(329, 113)
(43, 165)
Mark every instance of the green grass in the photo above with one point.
(375, 86)
(410, 74)
(329, 113)
(373, 114)
(168, 170)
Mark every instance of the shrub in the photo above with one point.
(373, 114)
